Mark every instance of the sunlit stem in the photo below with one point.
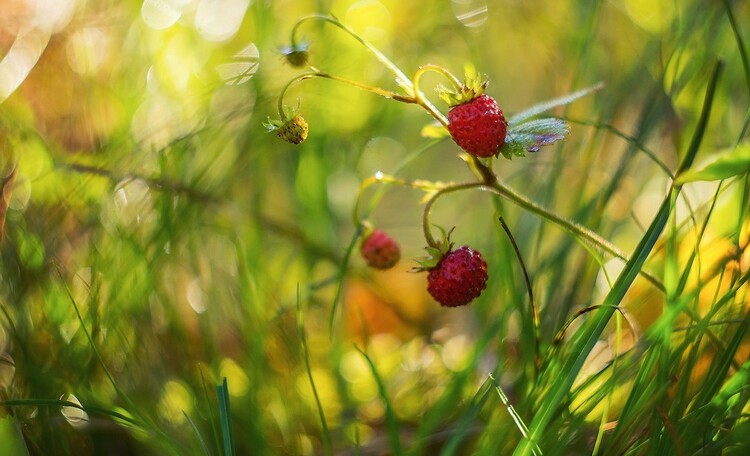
(577, 230)
(431, 242)
(581, 233)
(400, 76)
(280, 101)
(424, 102)
(380, 178)
(359, 85)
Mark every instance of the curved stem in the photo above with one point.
(420, 98)
(401, 78)
(280, 101)
(376, 90)
(380, 178)
(359, 85)
(578, 231)
(431, 242)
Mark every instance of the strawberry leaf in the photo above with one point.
(533, 135)
(729, 163)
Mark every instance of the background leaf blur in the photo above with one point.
(156, 240)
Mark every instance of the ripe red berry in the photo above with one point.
(478, 126)
(380, 251)
(459, 277)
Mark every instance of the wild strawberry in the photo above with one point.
(380, 251)
(475, 121)
(296, 55)
(459, 277)
(293, 130)
(478, 126)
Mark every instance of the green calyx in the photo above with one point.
(473, 86)
(436, 252)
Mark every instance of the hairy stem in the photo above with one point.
(401, 78)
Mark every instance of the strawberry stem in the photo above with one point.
(431, 242)
(317, 74)
(380, 178)
(578, 231)
(420, 98)
(414, 95)
(401, 78)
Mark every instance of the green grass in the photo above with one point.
(194, 283)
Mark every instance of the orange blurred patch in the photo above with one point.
(393, 301)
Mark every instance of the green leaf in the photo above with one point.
(729, 163)
(551, 104)
(532, 135)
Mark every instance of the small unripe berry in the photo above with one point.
(380, 251)
(293, 130)
(297, 55)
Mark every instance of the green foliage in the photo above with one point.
(174, 280)
(728, 163)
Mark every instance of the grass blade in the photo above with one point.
(589, 334)
(390, 417)
(306, 355)
(197, 433)
(342, 277)
(551, 104)
(459, 433)
(225, 415)
(515, 416)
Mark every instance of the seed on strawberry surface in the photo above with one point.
(380, 251)
(459, 277)
(294, 130)
(478, 126)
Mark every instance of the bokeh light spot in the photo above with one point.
(75, 416)
(160, 14)
(456, 353)
(133, 201)
(86, 50)
(175, 401)
(196, 297)
(370, 18)
(653, 15)
(237, 381)
(471, 13)
(242, 68)
(20, 59)
(52, 15)
(219, 20)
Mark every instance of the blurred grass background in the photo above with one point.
(157, 240)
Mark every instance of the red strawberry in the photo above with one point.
(380, 251)
(478, 126)
(459, 277)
